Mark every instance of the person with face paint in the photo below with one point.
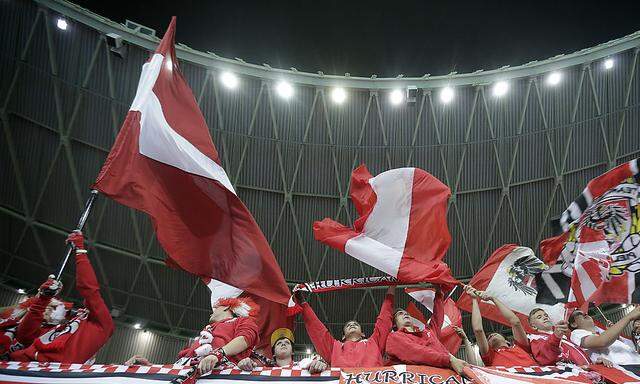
(409, 345)
(549, 344)
(494, 349)
(282, 350)
(605, 345)
(75, 340)
(354, 350)
(229, 337)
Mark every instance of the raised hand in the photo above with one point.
(50, 288)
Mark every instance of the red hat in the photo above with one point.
(240, 306)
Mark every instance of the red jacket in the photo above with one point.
(223, 332)
(31, 327)
(75, 341)
(512, 356)
(363, 353)
(548, 349)
(420, 347)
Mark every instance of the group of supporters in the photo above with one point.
(46, 329)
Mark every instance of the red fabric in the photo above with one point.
(92, 333)
(225, 331)
(511, 356)
(427, 238)
(349, 354)
(204, 228)
(31, 326)
(551, 248)
(419, 347)
(271, 317)
(593, 258)
(601, 184)
(548, 349)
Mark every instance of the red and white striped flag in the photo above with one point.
(402, 225)
(164, 163)
(451, 316)
(590, 268)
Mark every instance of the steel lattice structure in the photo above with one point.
(512, 163)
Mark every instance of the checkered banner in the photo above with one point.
(54, 373)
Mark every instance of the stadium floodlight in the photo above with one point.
(229, 80)
(396, 97)
(338, 95)
(284, 89)
(308, 351)
(21, 291)
(446, 95)
(608, 63)
(554, 78)
(137, 326)
(500, 88)
(62, 24)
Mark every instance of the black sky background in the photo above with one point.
(386, 38)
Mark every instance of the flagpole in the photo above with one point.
(607, 321)
(81, 222)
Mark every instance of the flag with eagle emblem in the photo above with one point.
(509, 275)
(608, 204)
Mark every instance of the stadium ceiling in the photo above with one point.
(512, 163)
(239, 66)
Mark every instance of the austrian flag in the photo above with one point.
(402, 228)
(164, 163)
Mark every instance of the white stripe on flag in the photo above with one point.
(383, 239)
(159, 141)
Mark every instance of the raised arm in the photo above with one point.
(607, 338)
(30, 325)
(519, 334)
(476, 322)
(470, 355)
(384, 322)
(318, 333)
(88, 287)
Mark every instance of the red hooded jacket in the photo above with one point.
(77, 340)
(363, 353)
(420, 347)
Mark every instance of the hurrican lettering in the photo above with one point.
(390, 376)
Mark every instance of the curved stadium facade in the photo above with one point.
(513, 163)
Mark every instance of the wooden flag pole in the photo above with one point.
(81, 222)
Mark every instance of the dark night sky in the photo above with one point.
(387, 38)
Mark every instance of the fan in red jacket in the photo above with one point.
(230, 336)
(549, 345)
(409, 345)
(495, 350)
(354, 350)
(9, 320)
(71, 341)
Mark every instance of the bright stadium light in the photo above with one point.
(554, 78)
(338, 95)
(500, 88)
(21, 291)
(137, 326)
(284, 89)
(608, 63)
(229, 80)
(62, 24)
(396, 97)
(308, 351)
(446, 95)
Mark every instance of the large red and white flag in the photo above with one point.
(164, 163)
(590, 268)
(451, 316)
(402, 225)
(509, 275)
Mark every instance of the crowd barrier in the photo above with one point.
(57, 373)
